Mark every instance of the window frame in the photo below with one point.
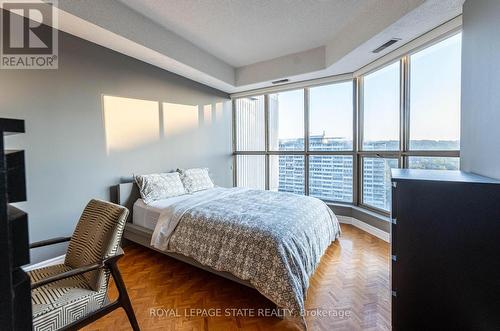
(407, 86)
(268, 116)
(357, 152)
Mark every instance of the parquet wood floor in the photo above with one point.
(353, 276)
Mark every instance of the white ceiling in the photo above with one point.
(239, 45)
(245, 32)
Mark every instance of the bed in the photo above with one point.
(270, 241)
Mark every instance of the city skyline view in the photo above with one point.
(331, 176)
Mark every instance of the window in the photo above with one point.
(283, 160)
(251, 171)
(377, 182)
(381, 107)
(286, 173)
(322, 142)
(330, 177)
(286, 121)
(435, 96)
(249, 118)
(434, 163)
(330, 117)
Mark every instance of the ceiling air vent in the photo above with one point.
(281, 81)
(387, 44)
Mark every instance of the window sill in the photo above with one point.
(369, 217)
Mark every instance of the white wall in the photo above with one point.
(480, 132)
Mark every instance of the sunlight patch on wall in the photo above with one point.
(207, 115)
(130, 123)
(219, 111)
(179, 118)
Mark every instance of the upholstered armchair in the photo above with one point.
(71, 295)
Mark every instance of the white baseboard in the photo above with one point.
(46, 263)
(381, 234)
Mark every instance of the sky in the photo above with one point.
(434, 100)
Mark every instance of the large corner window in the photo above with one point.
(286, 173)
(331, 132)
(330, 117)
(250, 125)
(339, 141)
(435, 96)
(380, 134)
(377, 181)
(330, 177)
(286, 121)
(251, 171)
(381, 108)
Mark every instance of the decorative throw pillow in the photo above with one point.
(196, 179)
(159, 186)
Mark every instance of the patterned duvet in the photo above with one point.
(272, 240)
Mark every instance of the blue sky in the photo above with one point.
(434, 100)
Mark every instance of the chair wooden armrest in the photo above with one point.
(49, 242)
(106, 263)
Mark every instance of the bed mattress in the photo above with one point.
(144, 215)
(147, 215)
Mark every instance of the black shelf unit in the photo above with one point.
(15, 287)
(445, 241)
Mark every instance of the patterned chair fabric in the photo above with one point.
(63, 302)
(96, 237)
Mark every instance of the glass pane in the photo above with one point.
(381, 102)
(250, 128)
(330, 117)
(251, 171)
(286, 121)
(434, 163)
(286, 173)
(330, 177)
(377, 182)
(435, 96)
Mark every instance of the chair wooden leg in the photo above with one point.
(123, 296)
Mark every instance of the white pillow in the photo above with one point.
(196, 179)
(159, 186)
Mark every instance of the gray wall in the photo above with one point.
(76, 149)
(480, 132)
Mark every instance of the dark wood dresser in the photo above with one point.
(445, 251)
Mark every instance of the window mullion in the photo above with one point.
(235, 174)
(405, 108)
(306, 141)
(266, 139)
(356, 140)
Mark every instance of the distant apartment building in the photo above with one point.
(330, 176)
